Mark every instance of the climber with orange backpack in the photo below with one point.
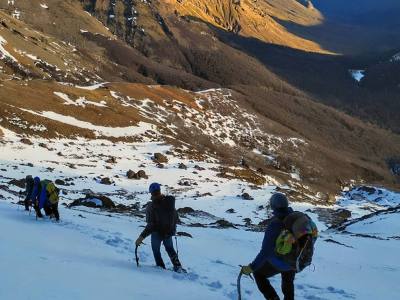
(287, 249)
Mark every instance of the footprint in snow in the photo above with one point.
(215, 285)
(311, 292)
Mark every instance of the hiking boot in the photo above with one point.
(179, 269)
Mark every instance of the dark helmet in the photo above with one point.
(278, 201)
(154, 187)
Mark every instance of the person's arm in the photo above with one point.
(268, 246)
(35, 193)
(28, 192)
(150, 222)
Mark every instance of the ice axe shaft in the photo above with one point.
(239, 290)
(137, 256)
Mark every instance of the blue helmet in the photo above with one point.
(154, 187)
(36, 180)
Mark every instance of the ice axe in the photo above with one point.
(136, 256)
(239, 289)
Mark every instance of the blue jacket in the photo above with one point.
(43, 198)
(36, 189)
(267, 253)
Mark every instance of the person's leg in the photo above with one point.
(38, 212)
(47, 210)
(169, 247)
(54, 208)
(155, 246)
(288, 285)
(261, 277)
(26, 202)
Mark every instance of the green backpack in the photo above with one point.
(295, 243)
(52, 192)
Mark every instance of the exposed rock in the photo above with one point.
(182, 166)
(223, 224)
(60, 182)
(230, 211)
(160, 158)
(160, 166)
(111, 160)
(26, 141)
(185, 210)
(247, 221)
(334, 217)
(94, 200)
(198, 168)
(141, 174)
(131, 174)
(261, 171)
(246, 196)
(247, 175)
(106, 181)
(367, 189)
(19, 183)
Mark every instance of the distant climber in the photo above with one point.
(161, 218)
(37, 189)
(28, 191)
(287, 248)
(45, 195)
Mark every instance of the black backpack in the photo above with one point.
(165, 216)
(295, 243)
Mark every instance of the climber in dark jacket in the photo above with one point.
(267, 263)
(161, 218)
(35, 196)
(28, 191)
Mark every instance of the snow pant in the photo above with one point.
(261, 276)
(156, 240)
(27, 204)
(37, 209)
(52, 210)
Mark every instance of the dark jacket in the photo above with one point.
(161, 217)
(29, 187)
(267, 253)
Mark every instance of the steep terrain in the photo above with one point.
(64, 73)
(92, 249)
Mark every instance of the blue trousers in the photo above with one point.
(156, 240)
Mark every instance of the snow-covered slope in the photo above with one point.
(90, 253)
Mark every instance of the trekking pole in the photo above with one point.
(176, 244)
(19, 199)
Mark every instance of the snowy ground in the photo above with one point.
(90, 253)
